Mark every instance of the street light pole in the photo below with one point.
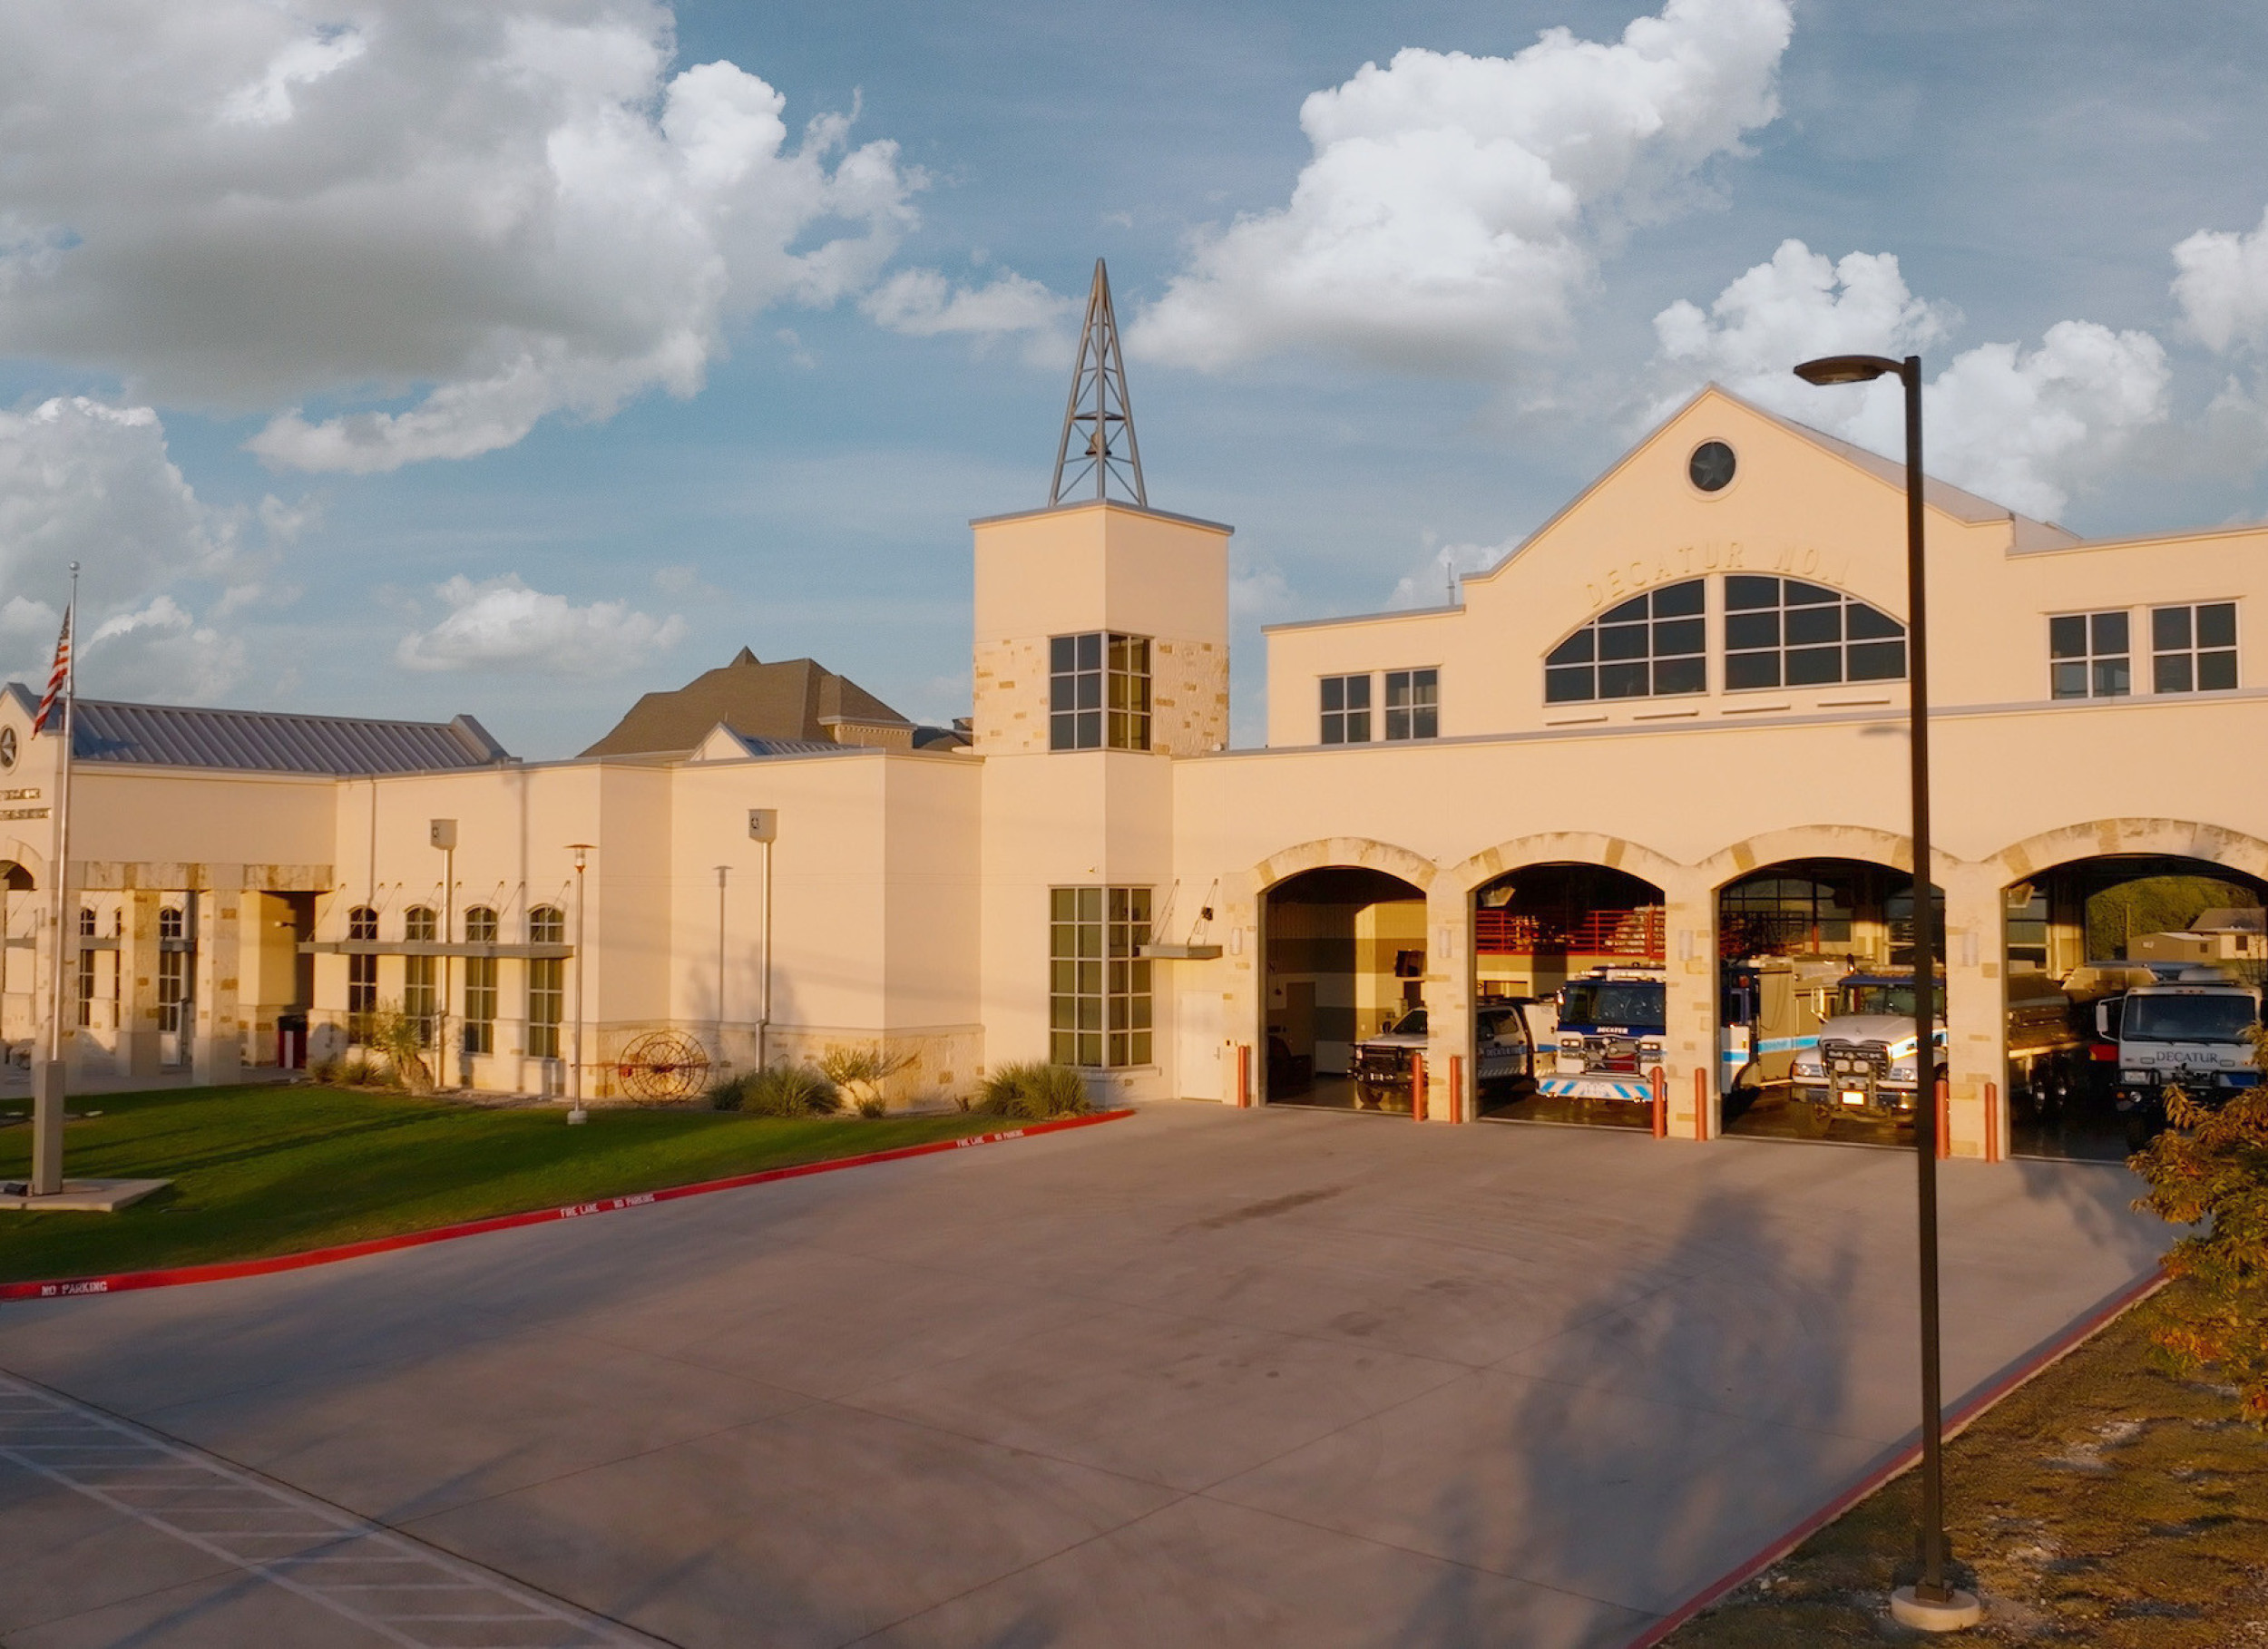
(575, 1112)
(1932, 1603)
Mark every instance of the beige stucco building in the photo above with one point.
(1667, 729)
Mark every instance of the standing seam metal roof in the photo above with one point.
(267, 741)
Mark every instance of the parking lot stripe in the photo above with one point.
(329, 1529)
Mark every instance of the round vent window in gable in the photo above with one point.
(1711, 466)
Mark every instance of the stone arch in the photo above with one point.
(1355, 852)
(1563, 847)
(2104, 838)
(17, 877)
(1857, 842)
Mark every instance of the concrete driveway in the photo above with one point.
(1198, 1377)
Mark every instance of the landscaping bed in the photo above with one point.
(268, 1170)
(2107, 1502)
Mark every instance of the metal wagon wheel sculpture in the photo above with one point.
(663, 1065)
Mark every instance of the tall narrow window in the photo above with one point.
(480, 982)
(1347, 709)
(547, 983)
(1099, 692)
(1651, 646)
(1413, 704)
(1100, 1004)
(1128, 693)
(362, 974)
(172, 969)
(1787, 633)
(86, 969)
(2193, 649)
(421, 997)
(2088, 657)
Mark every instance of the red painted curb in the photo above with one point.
(181, 1275)
(1956, 1422)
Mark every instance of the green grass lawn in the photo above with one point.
(268, 1170)
(2108, 1503)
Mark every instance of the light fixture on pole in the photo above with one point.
(1932, 1604)
(575, 1113)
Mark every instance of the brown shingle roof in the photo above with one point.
(789, 700)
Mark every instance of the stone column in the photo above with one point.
(1448, 997)
(217, 1050)
(1690, 1030)
(138, 988)
(1244, 989)
(1976, 1006)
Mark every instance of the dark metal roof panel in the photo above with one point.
(267, 741)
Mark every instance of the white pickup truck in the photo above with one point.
(1503, 1050)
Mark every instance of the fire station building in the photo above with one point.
(1667, 732)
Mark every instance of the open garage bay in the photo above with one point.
(1201, 1377)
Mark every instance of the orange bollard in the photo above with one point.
(1661, 1102)
(1417, 1087)
(1992, 1122)
(1944, 1123)
(1243, 1075)
(1700, 1104)
(1457, 1088)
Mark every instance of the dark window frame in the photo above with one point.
(2193, 647)
(2090, 654)
(1098, 691)
(1651, 646)
(1783, 635)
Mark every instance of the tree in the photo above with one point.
(2210, 1171)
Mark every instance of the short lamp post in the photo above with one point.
(1932, 1604)
(575, 1113)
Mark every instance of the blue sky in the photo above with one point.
(2030, 167)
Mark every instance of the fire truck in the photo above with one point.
(1611, 1022)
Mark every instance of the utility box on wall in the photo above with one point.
(763, 824)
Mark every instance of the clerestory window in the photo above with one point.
(1787, 633)
(1650, 646)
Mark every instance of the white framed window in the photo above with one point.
(1347, 709)
(1099, 989)
(1650, 646)
(1099, 692)
(2193, 649)
(2089, 655)
(1413, 704)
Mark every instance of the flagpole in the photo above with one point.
(47, 1097)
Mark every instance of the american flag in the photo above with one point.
(57, 677)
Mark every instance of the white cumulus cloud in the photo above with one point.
(82, 480)
(1456, 206)
(501, 624)
(1439, 578)
(2222, 286)
(922, 303)
(497, 212)
(2022, 427)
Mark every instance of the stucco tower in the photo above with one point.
(1100, 656)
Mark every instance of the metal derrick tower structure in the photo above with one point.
(1098, 420)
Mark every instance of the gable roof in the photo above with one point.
(797, 700)
(108, 733)
(1941, 495)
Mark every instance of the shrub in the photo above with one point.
(860, 1073)
(2210, 1170)
(330, 1070)
(396, 1035)
(1033, 1088)
(784, 1090)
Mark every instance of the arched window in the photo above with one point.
(1650, 646)
(421, 995)
(547, 983)
(1784, 632)
(362, 922)
(172, 923)
(86, 922)
(480, 982)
